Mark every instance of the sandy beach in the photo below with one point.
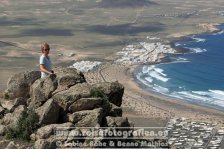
(147, 108)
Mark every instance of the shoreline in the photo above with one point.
(180, 50)
(197, 112)
(203, 29)
(149, 105)
(168, 98)
(141, 85)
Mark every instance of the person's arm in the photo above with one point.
(43, 69)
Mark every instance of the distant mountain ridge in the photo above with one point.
(125, 3)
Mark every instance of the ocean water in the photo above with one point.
(197, 76)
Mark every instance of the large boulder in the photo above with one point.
(19, 84)
(49, 136)
(114, 91)
(90, 104)
(117, 122)
(67, 97)
(64, 135)
(2, 111)
(74, 135)
(68, 77)
(48, 113)
(12, 118)
(115, 111)
(2, 130)
(10, 105)
(87, 118)
(11, 145)
(48, 130)
(42, 89)
(49, 143)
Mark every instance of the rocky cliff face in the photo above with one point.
(64, 100)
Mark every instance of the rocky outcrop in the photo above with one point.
(48, 130)
(2, 130)
(12, 118)
(67, 97)
(115, 111)
(87, 118)
(46, 138)
(68, 77)
(114, 91)
(78, 105)
(10, 105)
(2, 111)
(42, 90)
(19, 84)
(48, 113)
(90, 104)
(117, 122)
(45, 144)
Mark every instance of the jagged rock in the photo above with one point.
(7, 104)
(12, 104)
(87, 118)
(19, 84)
(12, 118)
(115, 111)
(28, 101)
(48, 113)
(45, 144)
(68, 77)
(46, 131)
(67, 97)
(74, 135)
(117, 122)
(92, 143)
(11, 145)
(2, 130)
(89, 104)
(2, 111)
(42, 89)
(4, 143)
(33, 137)
(114, 91)
(64, 137)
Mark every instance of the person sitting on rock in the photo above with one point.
(45, 61)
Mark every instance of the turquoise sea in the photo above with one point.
(197, 76)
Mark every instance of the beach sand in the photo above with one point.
(149, 109)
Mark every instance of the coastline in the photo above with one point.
(180, 50)
(149, 105)
(159, 95)
(202, 28)
(173, 106)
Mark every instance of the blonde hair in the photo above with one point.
(44, 46)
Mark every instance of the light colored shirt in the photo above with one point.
(46, 61)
